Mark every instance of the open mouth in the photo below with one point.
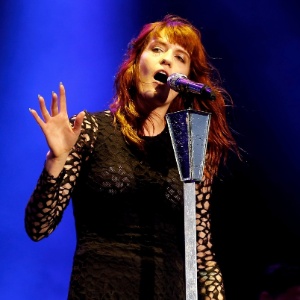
(161, 76)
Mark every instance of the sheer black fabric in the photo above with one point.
(128, 210)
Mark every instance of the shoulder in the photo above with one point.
(94, 119)
(99, 117)
(95, 125)
(101, 123)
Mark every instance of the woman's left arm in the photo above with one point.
(209, 275)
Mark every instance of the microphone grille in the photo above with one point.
(172, 81)
(173, 77)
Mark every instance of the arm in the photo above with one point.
(52, 195)
(209, 275)
(60, 134)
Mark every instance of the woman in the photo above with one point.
(118, 167)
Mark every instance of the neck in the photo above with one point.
(155, 123)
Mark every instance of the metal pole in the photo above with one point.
(189, 135)
(190, 241)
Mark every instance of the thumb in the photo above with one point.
(78, 122)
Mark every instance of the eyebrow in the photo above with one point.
(179, 48)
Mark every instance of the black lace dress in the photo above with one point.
(128, 210)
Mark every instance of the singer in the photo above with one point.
(117, 168)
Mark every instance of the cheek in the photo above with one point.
(144, 65)
(186, 70)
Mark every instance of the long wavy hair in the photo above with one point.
(125, 111)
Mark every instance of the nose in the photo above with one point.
(166, 58)
(165, 62)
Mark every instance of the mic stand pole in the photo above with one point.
(189, 135)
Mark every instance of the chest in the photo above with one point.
(117, 169)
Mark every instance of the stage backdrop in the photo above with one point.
(255, 45)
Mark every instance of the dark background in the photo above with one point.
(254, 44)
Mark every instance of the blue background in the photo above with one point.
(255, 45)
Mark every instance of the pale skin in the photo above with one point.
(59, 133)
(159, 55)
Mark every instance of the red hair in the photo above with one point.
(182, 32)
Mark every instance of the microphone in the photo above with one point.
(180, 83)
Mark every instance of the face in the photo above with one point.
(161, 56)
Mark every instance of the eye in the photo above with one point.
(157, 49)
(180, 58)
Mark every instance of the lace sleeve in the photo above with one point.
(51, 195)
(209, 275)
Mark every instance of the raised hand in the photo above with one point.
(60, 135)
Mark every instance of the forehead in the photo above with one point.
(182, 37)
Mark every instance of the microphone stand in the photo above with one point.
(189, 134)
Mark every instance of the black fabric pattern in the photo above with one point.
(128, 210)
